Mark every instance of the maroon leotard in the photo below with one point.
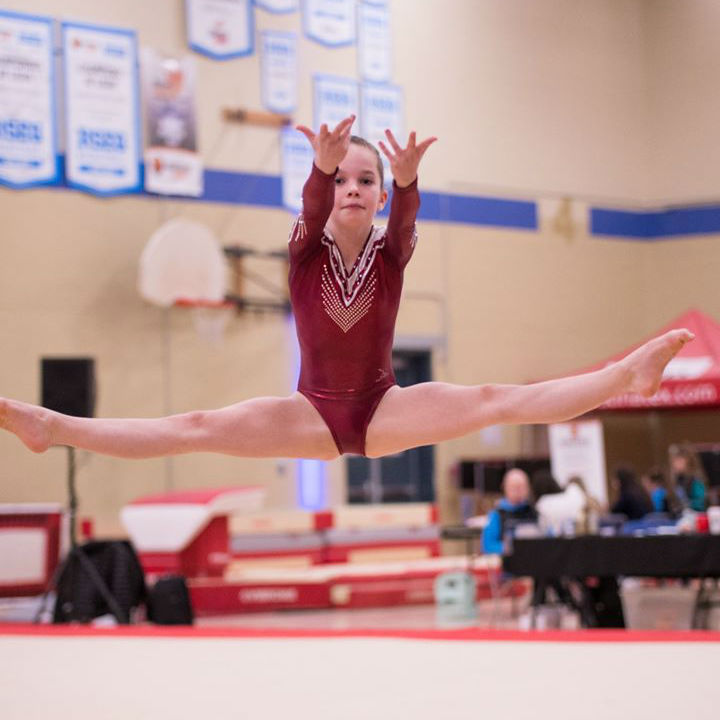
(346, 320)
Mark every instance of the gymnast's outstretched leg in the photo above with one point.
(262, 427)
(432, 412)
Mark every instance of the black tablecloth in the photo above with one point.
(594, 555)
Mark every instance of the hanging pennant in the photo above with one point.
(381, 108)
(374, 43)
(221, 29)
(172, 164)
(278, 6)
(101, 109)
(279, 71)
(329, 22)
(28, 134)
(297, 160)
(334, 99)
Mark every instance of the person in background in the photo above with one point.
(688, 477)
(633, 500)
(664, 498)
(513, 508)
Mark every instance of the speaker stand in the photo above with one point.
(78, 558)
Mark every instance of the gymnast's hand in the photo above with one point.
(404, 162)
(330, 147)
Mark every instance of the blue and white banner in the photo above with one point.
(381, 109)
(330, 22)
(374, 43)
(173, 165)
(279, 71)
(221, 29)
(102, 109)
(334, 99)
(278, 6)
(28, 135)
(297, 160)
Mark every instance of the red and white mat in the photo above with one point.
(79, 673)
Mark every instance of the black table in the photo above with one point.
(665, 556)
(594, 556)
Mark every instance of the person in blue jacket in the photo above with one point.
(513, 508)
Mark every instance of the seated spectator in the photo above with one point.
(513, 508)
(688, 477)
(633, 500)
(664, 498)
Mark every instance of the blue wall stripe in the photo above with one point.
(656, 224)
(238, 188)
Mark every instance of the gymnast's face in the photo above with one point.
(358, 192)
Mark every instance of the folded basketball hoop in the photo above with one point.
(210, 317)
(183, 265)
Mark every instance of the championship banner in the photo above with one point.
(334, 99)
(102, 111)
(278, 6)
(297, 160)
(279, 71)
(28, 135)
(374, 43)
(381, 108)
(172, 164)
(221, 29)
(329, 22)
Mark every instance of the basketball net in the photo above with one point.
(210, 318)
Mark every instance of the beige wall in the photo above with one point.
(530, 99)
(684, 103)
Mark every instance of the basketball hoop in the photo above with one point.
(210, 318)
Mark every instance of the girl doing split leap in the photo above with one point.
(345, 281)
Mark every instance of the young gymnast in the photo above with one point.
(345, 284)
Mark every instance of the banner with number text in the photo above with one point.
(28, 133)
(381, 108)
(279, 71)
(297, 160)
(334, 98)
(102, 113)
(374, 43)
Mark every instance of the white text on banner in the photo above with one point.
(374, 43)
(28, 141)
(101, 109)
(279, 71)
(172, 164)
(334, 99)
(221, 29)
(297, 160)
(330, 22)
(381, 108)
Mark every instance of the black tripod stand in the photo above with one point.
(77, 569)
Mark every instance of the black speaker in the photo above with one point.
(68, 385)
(169, 603)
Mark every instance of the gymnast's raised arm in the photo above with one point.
(319, 190)
(404, 164)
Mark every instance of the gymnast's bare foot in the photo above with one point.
(646, 364)
(29, 422)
